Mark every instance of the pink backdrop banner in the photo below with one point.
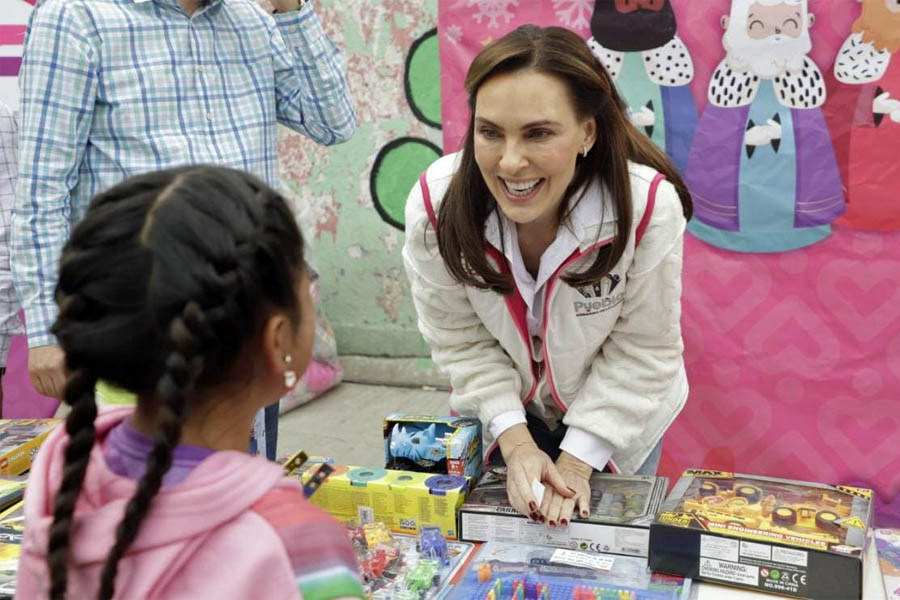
(793, 358)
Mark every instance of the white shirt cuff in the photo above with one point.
(586, 447)
(504, 421)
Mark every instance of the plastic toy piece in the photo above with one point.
(542, 591)
(784, 516)
(518, 590)
(498, 588)
(423, 576)
(433, 545)
(376, 561)
(484, 572)
(417, 445)
(750, 492)
(376, 533)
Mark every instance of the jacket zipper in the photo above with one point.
(551, 285)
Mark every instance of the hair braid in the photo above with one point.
(183, 367)
(79, 394)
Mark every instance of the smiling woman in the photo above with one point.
(550, 271)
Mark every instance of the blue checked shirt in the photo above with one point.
(9, 305)
(112, 88)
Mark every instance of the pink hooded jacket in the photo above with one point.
(220, 533)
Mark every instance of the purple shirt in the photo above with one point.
(125, 450)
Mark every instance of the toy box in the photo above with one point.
(396, 566)
(622, 507)
(450, 445)
(11, 529)
(887, 542)
(403, 500)
(19, 442)
(789, 537)
(504, 571)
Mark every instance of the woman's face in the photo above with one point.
(527, 138)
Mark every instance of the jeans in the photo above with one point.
(549, 442)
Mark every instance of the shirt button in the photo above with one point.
(199, 68)
(209, 117)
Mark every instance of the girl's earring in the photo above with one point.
(584, 151)
(290, 376)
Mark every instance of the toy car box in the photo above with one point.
(788, 537)
(20, 440)
(402, 500)
(450, 445)
(622, 507)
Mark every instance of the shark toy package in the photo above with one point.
(447, 445)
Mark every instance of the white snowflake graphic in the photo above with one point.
(574, 14)
(454, 33)
(494, 10)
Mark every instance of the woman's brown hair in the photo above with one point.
(467, 204)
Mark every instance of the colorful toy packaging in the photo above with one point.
(450, 445)
(789, 537)
(12, 521)
(397, 567)
(402, 500)
(504, 571)
(622, 508)
(887, 541)
(19, 442)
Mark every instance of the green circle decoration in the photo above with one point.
(422, 80)
(396, 170)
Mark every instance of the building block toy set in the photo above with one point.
(404, 501)
(403, 567)
(622, 508)
(790, 537)
(449, 445)
(509, 571)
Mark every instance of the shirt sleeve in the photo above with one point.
(312, 93)
(9, 304)
(640, 362)
(484, 379)
(504, 421)
(587, 447)
(58, 84)
(321, 556)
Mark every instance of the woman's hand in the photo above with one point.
(525, 463)
(576, 474)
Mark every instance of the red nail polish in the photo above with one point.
(552, 523)
(564, 522)
(532, 506)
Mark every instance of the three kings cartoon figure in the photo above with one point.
(863, 112)
(762, 168)
(638, 43)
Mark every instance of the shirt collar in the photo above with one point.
(588, 213)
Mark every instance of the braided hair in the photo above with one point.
(190, 261)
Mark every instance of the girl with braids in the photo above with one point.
(545, 263)
(188, 286)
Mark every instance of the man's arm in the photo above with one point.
(9, 304)
(312, 93)
(58, 84)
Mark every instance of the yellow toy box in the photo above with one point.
(402, 500)
(19, 442)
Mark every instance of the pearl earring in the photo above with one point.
(584, 151)
(290, 376)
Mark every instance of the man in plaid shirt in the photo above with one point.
(111, 88)
(9, 305)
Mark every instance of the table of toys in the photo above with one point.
(431, 525)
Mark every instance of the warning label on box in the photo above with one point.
(729, 571)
